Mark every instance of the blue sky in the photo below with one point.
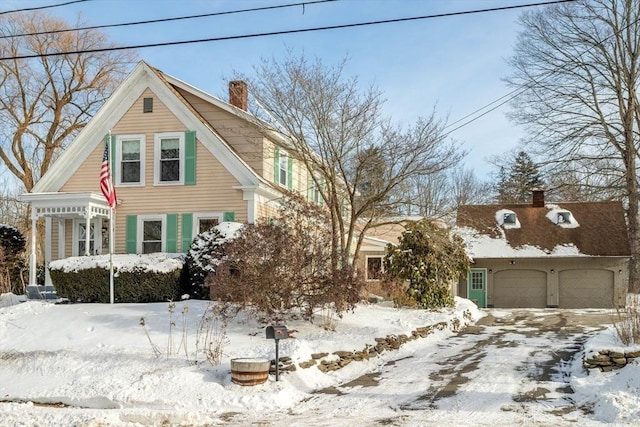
(453, 63)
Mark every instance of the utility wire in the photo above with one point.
(42, 7)
(178, 18)
(283, 32)
(518, 91)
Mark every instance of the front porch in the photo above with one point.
(67, 217)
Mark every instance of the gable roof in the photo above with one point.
(142, 77)
(600, 230)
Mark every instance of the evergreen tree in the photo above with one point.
(523, 177)
(429, 259)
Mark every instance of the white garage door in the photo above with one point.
(520, 289)
(586, 289)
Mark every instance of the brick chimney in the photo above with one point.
(538, 198)
(238, 94)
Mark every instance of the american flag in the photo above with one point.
(105, 179)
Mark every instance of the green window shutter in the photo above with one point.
(171, 235)
(228, 216)
(131, 234)
(290, 173)
(309, 189)
(190, 158)
(276, 164)
(187, 227)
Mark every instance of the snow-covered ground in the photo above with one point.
(94, 365)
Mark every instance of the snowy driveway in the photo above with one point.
(509, 369)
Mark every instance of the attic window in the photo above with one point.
(564, 217)
(507, 218)
(561, 217)
(147, 105)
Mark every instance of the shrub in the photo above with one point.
(283, 266)
(206, 251)
(429, 259)
(627, 324)
(12, 263)
(137, 278)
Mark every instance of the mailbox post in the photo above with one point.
(277, 332)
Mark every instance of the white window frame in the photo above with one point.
(119, 174)
(140, 231)
(158, 137)
(366, 266)
(75, 236)
(283, 156)
(204, 215)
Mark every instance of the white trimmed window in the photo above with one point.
(283, 169)
(169, 158)
(151, 231)
(130, 160)
(205, 221)
(374, 267)
(79, 236)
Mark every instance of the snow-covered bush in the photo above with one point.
(205, 253)
(283, 266)
(137, 278)
(12, 264)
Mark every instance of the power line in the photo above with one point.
(178, 18)
(283, 32)
(518, 91)
(42, 7)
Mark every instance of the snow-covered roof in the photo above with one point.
(554, 230)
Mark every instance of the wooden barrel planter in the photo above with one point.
(249, 371)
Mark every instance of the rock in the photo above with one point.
(307, 364)
(343, 354)
(319, 355)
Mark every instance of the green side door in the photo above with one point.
(477, 286)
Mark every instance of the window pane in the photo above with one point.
(151, 247)
(152, 230)
(169, 170)
(206, 224)
(477, 280)
(130, 171)
(131, 150)
(374, 268)
(170, 148)
(283, 160)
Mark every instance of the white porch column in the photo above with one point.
(32, 257)
(47, 250)
(61, 238)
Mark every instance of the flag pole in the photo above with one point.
(111, 228)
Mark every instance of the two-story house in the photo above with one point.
(182, 160)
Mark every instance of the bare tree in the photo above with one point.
(46, 100)
(579, 67)
(467, 189)
(336, 128)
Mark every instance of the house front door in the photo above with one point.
(477, 286)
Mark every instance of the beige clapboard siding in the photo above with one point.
(213, 191)
(242, 137)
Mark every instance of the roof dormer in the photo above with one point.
(507, 219)
(561, 217)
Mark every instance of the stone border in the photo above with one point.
(326, 362)
(607, 360)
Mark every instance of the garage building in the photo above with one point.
(539, 255)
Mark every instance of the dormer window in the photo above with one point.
(561, 217)
(564, 217)
(507, 218)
